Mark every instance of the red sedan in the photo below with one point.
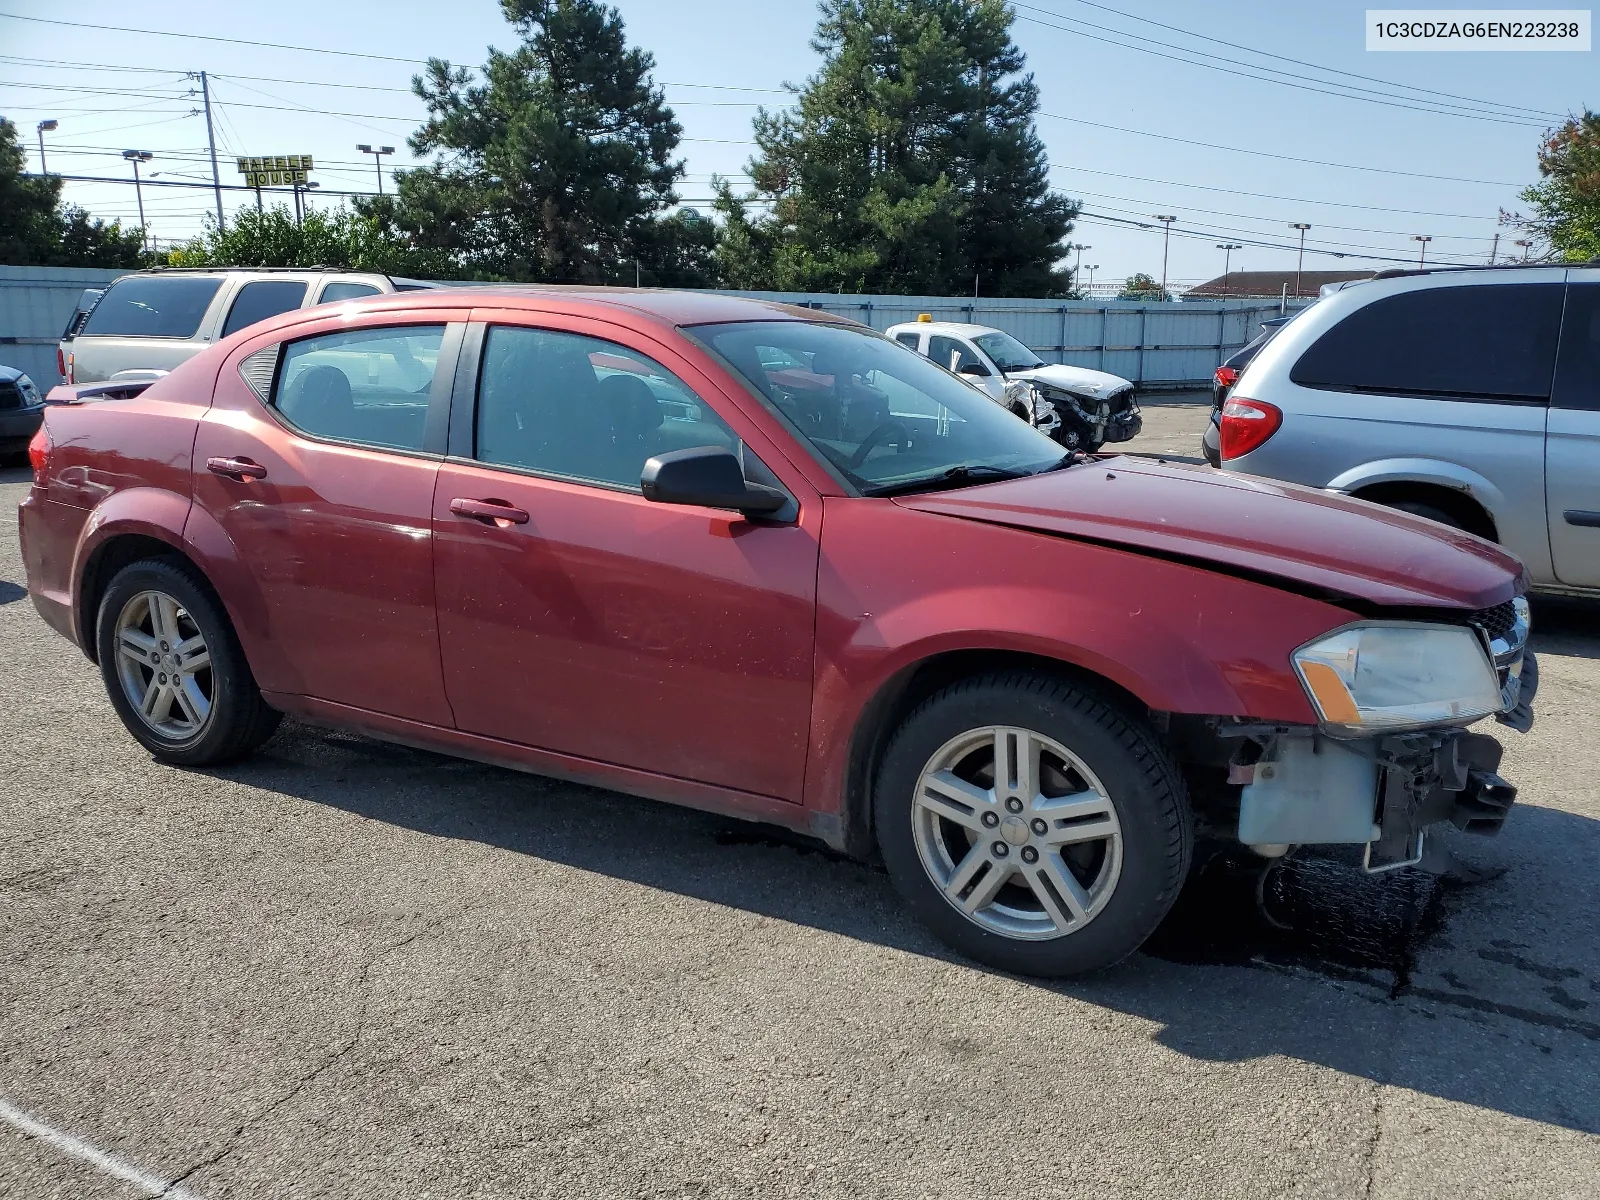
(765, 562)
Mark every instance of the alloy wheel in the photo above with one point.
(1017, 833)
(164, 665)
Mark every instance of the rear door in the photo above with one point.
(259, 299)
(1572, 470)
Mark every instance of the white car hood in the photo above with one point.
(1073, 379)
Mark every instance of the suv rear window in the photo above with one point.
(1489, 341)
(169, 306)
(261, 299)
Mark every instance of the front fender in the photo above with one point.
(1422, 470)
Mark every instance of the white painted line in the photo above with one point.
(161, 1189)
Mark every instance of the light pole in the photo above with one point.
(44, 128)
(1166, 238)
(1301, 261)
(302, 206)
(1424, 238)
(136, 157)
(1227, 249)
(1078, 266)
(1524, 243)
(1093, 267)
(377, 160)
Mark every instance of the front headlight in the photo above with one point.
(1386, 677)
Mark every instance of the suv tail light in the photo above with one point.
(38, 453)
(1247, 424)
(70, 370)
(1226, 376)
(61, 363)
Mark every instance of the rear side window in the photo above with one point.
(346, 291)
(1578, 371)
(262, 299)
(1491, 342)
(368, 386)
(951, 354)
(166, 306)
(908, 339)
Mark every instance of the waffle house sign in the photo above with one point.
(275, 170)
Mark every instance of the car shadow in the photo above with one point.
(1566, 625)
(1225, 980)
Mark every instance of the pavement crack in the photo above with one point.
(1371, 1156)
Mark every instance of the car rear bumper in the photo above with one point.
(47, 558)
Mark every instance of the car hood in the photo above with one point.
(1322, 542)
(1073, 379)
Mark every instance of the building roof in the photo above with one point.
(1270, 283)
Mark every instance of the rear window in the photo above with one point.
(262, 299)
(346, 291)
(1491, 341)
(170, 306)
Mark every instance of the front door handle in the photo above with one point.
(497, 511)
(1579, 516)
(238, 469)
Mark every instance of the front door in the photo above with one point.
(322, 484)
(1572, 447)
(578, 617)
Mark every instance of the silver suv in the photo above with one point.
(1468, 396)
(147, 323)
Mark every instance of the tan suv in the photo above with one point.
(148, 322)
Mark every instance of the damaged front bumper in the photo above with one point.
(1300, 787)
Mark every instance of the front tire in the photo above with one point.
(1061, 862)
(174, 669)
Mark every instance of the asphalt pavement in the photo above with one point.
(346, 969)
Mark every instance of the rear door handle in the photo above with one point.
(488, 510)
(238, 469)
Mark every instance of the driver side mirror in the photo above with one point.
(975, 368)
(710, 477)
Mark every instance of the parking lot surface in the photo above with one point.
(347, 969)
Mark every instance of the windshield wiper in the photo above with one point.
(957, 476)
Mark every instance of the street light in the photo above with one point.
(44, 128)
(1080, 248)
(1424, 239)
(1524, 243)
(1166, 237)
(1301, 261)
(1093, 267)
(302, 206)
(377, 160)
(1227, 249)
(136, 157)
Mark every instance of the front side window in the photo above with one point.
(261, 299)
(1489, 341)
(1007, 353)
(368, 386)
(584, 408)
(165, 306)
(882, 417)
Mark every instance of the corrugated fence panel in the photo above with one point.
(35, 303)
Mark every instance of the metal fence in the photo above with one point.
(1172, 344)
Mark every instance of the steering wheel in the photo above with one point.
(881, 433)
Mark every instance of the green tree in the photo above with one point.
(1566, 200)
(555, 166)
(36, 229)
(909, 162)
(1142, 287)
(340, 239)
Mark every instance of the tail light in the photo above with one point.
(61, 362)
(1226, 377)
(70, 374)
(1247, 424)
(38, 453)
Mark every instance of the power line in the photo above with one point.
(207, 37)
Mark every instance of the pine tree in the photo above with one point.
(909, 162)
(553, 167)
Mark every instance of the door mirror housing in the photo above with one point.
(977, 369)
(708, 476)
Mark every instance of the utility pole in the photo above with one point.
(1166, 237)
(1301, 261)
(1524, 243)
(1422, 259)
(1494, 247)
(377, 160)
(211, 141)
(136, 157)
(1227, 249)
(44, 128)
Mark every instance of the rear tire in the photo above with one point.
(174, 669)
(1063, 864)
(1418, 508)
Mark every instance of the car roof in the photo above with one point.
(663, 305)
(960, 328)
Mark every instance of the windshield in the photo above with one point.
(1008, 353)
(882, 416)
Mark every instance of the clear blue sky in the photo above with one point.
(718, 59)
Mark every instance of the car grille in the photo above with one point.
(1496, 622)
